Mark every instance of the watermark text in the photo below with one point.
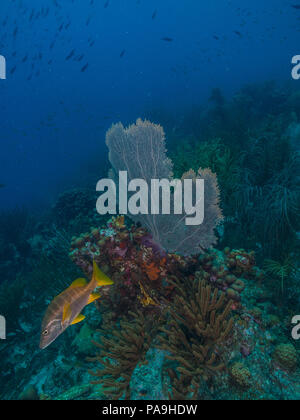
(2, 67)
(296, 68)
(2, 328)
(180, 197)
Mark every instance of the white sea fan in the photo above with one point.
(140, 150)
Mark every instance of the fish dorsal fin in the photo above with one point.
(79, 318)
(93, 297)
(66, 312)
(78, 283)
(100, 277)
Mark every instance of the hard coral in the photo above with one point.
(240, 375)
(285, 356)
(228, 270)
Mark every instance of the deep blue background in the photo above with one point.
(53, 126)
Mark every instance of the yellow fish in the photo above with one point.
(65, 309)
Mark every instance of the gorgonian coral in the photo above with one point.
(120, 351)
(140, 150)
(195, 335)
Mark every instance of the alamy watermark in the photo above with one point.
(166, 197)
(2, 328)
(296, 328)
(296, 68)
(2, 67)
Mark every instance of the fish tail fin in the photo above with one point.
(101, 278)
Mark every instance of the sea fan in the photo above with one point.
(140, 150)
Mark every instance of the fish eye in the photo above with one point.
(45, 332)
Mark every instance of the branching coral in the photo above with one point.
(121, 349)
(199, 325)
(140, 150)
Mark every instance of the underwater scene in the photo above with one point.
(149, 200)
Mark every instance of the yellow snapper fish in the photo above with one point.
(65, 309)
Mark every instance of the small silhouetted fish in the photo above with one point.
(106, 4)
(70, 55)
(296, 6)
(238, 33)
(84, 67)
(216, 37)
(154, 14)
(2, 185)
(167, 39)
(13, 70)
(24, 59)
(122, 53)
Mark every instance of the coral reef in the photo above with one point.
(228, 271)
(74, 393)
(11, 295)
(164, 329)
(75, 211)
(16, 226)
(133, 261)
(253, 150)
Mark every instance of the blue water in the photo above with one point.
(54, 116)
